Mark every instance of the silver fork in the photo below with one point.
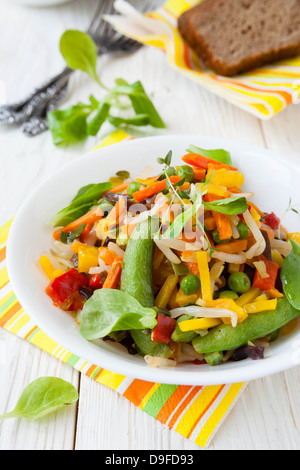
(31, 113)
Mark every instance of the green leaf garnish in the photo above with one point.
(42, 397)
(229, 206)
(80, 52)
(81, 203)
(113, 310)
(219, 155)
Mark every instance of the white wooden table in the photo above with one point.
(267, 416)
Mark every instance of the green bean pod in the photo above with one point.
(183, 336)
(137, 277)
(224, 337)
(137, 280)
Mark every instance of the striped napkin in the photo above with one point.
(195, 412)
(263, 92)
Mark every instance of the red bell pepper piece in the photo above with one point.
(162, 332)
(62, 287)
(268, 282)
(95, 281)
(76, 304)
(272, 220)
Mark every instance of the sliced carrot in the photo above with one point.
(85, 233)
(199, 173)
(274, 294)
(155, 188)
(193, 267)
(269, 232)
(196, 160)
(210, 223)
(127, 229)
(88, 218)
(256, 208)
(185, 187)
(222, 221)
(114, 274)
(119, 189)
(223, 225)
(232, 247)
(107, 256)
(116, 215)
(235, 189)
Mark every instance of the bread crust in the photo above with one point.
(196, 40)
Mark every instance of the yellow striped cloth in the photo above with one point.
(195, 412)
(263, 92)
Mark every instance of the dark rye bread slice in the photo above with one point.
(234, 36)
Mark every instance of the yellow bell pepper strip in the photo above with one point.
(166, 290)
(57, 273)
(226, 178)
(294, 236)
(87, 258)
(277, 258)
(289, 327)
(233, 268)
(248, 297)
(49, 269)
(182, 299)
(261, 298)
(254, 206)
(47, 266)
(263, 306)
(199, 324)
(214, 189)
(206, 290)
(228, 304)
(172, 300)
(157, 258)
(255, 215)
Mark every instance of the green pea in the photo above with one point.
(216, 237)
(190, 284)
(239, 282)
(186, 172)
(133, 188)
(243, 229)
(170, 171)
(228, 294)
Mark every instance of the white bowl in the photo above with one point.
(42, 3)
(273, 179)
